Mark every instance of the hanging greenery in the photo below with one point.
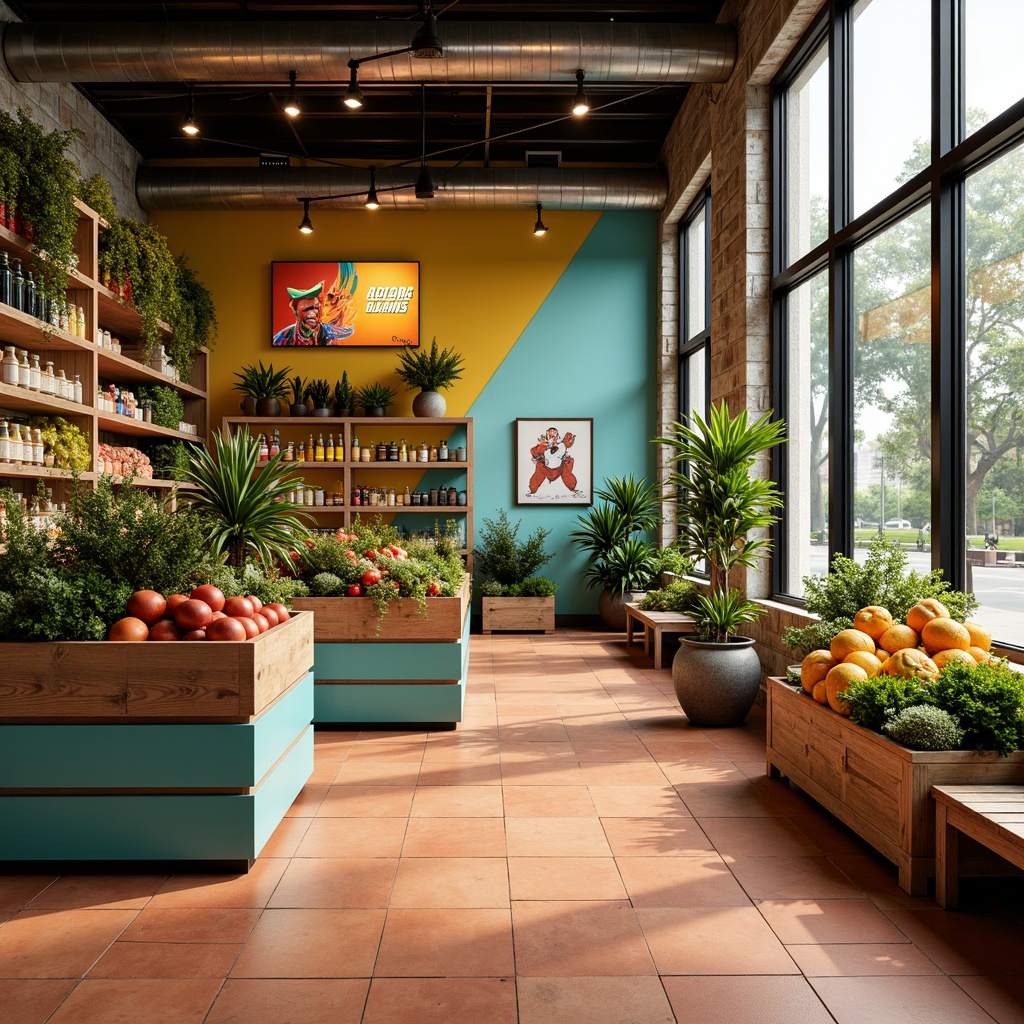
(97, 195)
(194, 322)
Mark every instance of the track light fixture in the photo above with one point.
(353, 94)
(424, 183)
(581, 104)
(189, 126)
(291, 105)
(372, 202)
(539, 228)
(305, 225)
(426, 44)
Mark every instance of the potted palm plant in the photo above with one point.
(318, 391)
(430, 372)
(344, 396)
(265, 386)
(717, 674)
(298, 405)
(615, 533)
(375, 398)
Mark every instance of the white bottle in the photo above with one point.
(5, 445)
(14, 443)
(62, 385)
(81, 322)
(35, 375)
(48, 384)
(24, 370)
(10, 366)
(78, 389)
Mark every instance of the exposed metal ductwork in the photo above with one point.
(251, 188)
(265, 52)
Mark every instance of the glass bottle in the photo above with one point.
(76, 390)
(392, 452)
(424, 452)
(6, 279)
(339, 450)
(48, 383)
(29, 294)
(310, 449)
(54, 311)
(453, 496)
(329, 447)
(275, 443)
(81, 322)
(407, 499)
(300, 455)
(442, 452)
(432, 457)
(63, 385)
(24, 370)
(35, 374)
(382, 451)
(10, 366)
(320, 454)
(289, 452)
(403, 452)
(5, 444)
(14, 443)
(17, 285)
(355, 449)
(264, 448)
(65, 319)
(37, 446)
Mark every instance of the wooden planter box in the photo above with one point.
(153, 751)
(338, 619)
(413, 672)
(524, 614)
(878, 788)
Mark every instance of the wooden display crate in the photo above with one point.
(526, 614)
(339, 619)
(878, 788)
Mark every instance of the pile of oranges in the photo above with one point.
(876, 645)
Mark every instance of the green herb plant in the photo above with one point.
(167, 407)
(375, 396)
(924, 727)
(344, 395)
(500, 555)
(68, 443)
(431, 370)
(262, 381)
(298, 385)
(680, 596)
(318, 391)
(877, 698)
(987, 701)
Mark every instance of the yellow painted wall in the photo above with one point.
(483, 275)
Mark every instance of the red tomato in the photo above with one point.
(211, 595)
(249, 625)
(398, 586)
(194, 634)
(370, 553)
(129, 628)
(270, 615)
(193, 614)
(434, 588)
(371, 576)
(226, 629)
(260, 619)
(173, 600)
(355, 590)
(165, 629)
(147, 605)
(239, 607)
(218, 615)
(257, 604)
(283, 615)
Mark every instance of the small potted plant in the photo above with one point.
(344, 396)
(264, 386)
(298, 405)
(318, 391)
(514, 596)
(430, 372)
(375, 398)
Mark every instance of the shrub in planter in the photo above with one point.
(680, 596)
(501, 556)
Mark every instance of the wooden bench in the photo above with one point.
(991, 815)
(654, 623)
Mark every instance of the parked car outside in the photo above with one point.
(897, 524)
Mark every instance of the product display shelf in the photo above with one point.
(455, 431)
(95, 366)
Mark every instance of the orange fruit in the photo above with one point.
(980, 636)
(865, 660)
(897, 638)
(838, 680)
(943, 658)
(814, 668)
(910, 663)
(873, 620)
(923, 611)
(820, 692)
(942, 634)
(846, 641)
(980, 656)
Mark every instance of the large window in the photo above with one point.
(695, 309)
(898, 292)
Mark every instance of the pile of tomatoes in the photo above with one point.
(204, 614)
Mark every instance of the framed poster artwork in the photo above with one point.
(554, 461)
(344, 305)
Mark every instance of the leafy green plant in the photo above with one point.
(318, 391)
(872, 701)
(298, 386)
(95, 192)
(680, 596)
(500, 555)
(988, 702)
(245, 512)
(268, 583)
(491, 588)
(628, 567)
(262, 381)
(68, 443)
(193, 321)
(170, 461)
(168, 409)
(375, 396)
(118, 253)
(923, 727)
(532, 586)
(153, 280)
(344, 394)
(671, 559)
(428, 371)
(815, 636)
(720, 504)
(24, 547)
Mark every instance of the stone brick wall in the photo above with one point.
(100, 149)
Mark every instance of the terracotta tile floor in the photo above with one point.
(574, 851)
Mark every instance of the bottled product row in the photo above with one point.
(380, 497)
(18, 289)
(328, 450)
(22, 369)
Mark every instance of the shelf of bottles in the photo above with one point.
(347, 468)
(77, 356)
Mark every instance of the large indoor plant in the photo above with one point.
(719, 505)
(265, 386)
(430, 371)
(615, 534)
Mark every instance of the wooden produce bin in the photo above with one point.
(412, 672)
(154, 751)
(522, 614)
(878, 788)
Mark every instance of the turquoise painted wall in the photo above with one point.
(589, 351)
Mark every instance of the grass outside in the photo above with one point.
(909, 537)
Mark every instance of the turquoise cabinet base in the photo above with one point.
(240, 779)
(381, 682)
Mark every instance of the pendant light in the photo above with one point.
(189, 126)
(581, 104)
(291, 105)
(305, 225)
(426, 44)
(372, 202)
(539, 228)
(353, 94)
(424, 182)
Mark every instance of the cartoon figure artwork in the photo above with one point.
(320, 319)
(553, 461)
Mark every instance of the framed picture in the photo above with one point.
(344, 305)
(554, 461)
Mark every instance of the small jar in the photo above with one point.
(442, 496)
(463, 497)
(460, 454)
(364, 455)
(432, 500)
(318, 497)
(453, 496)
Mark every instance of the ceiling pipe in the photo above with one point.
(265, 52)
(253, 188)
